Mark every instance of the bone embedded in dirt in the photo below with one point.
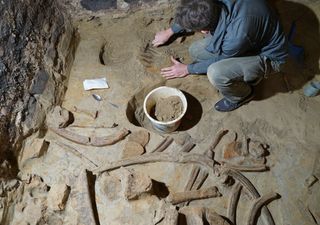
(142, 137)
(58, 196)
(134, 183)
(168, 109)
(132, 149)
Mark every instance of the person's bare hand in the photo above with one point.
(162, 37)
(178, 70)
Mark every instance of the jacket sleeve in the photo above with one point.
(235, 43)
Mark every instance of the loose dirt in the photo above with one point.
(168, 109)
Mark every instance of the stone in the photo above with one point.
(132, 149)
(134, 184)
(142, 137)
(39, 83)
(34, 148)
(59, 118)
(58, 196)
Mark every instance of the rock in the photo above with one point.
(59, 118)
(39, 83)
(141, 137)
(35, 148)
(132, 149)
(58, 196)
(134, 184)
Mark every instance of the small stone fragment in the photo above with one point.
(142, 137)
(132, 149)
(134, 184)
(35, 149)
(59, 118)
(311, 180)
(58, 196)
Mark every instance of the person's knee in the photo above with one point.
(216, 75)
(193, 50)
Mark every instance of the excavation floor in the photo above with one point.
(118, 48)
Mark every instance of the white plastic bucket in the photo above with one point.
(151, 100)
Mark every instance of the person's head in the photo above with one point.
(197, 15)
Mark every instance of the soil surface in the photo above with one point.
(285, 122)
(168, 109)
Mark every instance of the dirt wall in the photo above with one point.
(36, 53)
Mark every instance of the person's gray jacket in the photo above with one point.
(245, 27)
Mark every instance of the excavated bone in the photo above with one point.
(142, 137)
(179, 197)
(132, 149)
(109, 140)
(265, 213)
(94, 141)
(192, 178)
(202, 216)
(82, 201)
(188, 146)
(258, 204)
(76, 153)
(163, 145)
(134, 184)
(244, 168)
(158, 157)
(233, 203)
(213, 145)
(171, 216)
(71, 136)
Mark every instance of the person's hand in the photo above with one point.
(162, 37)
(178, 70)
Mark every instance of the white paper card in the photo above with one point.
(95, 84)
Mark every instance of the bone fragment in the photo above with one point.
(258, 204)
(93, 115)
(188, 146)
(203, 175)
(158, 157)
(265, 213)
(179, 197)
(219, 136)
(142, 137)
(171, 216)
(192, 178)
(243, 168)
(71, 136)
(76, 153)
(233, 203)
(82, 201)
(163, 145)
(109, 140)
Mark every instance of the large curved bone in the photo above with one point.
(158, 157)
(258, 204)
(265, 213)
(91, 141)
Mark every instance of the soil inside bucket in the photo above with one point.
(168, 109)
